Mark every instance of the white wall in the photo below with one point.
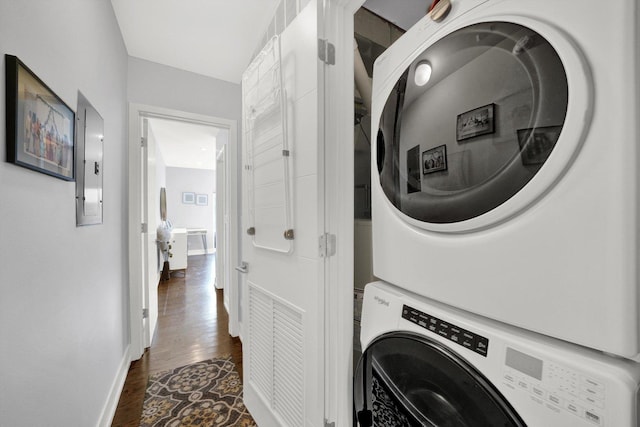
(199, 181)
(162, 86)
(63, 310)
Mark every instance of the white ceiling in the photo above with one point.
(215, 38)
(186, 145)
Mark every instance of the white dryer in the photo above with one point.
(505, 170)
(432, 365)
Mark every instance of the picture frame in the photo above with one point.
(434, 160)
(188, 198)
(413, 170)
(202, 199)
(40, 127)
(536, 144)
(476, 122)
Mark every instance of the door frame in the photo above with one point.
(339, 145)
(136, 253)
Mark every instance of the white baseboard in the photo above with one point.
(110, 406)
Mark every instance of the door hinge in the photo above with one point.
(327, 245)
(143, 142)
(329, 424)
(145, 313)
(326, 52)
(143, 227)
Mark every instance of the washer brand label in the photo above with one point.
(381, 301)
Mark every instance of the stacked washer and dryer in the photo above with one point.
(505, 209)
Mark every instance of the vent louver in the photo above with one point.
(276, 357)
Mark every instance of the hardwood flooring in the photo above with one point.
(192, 326)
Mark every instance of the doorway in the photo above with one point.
(185, 161)
(147, 170)
(339, 121)
(180, 158)
(374, 31)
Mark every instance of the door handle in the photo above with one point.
(243, 267)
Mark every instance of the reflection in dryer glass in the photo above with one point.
(494, 108)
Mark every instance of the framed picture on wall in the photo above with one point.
(434, 160)
(202, 200)
(479, 121)
(536, 144)
(40, 126)
(413, 170)
(188, 198)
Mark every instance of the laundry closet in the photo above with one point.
(504, 210)
(373, 34)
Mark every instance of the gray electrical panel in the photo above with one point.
(89, 146)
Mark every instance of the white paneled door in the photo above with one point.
(282, 220)
(150, 209)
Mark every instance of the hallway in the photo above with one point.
(192, 326)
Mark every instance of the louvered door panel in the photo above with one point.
(276, 355)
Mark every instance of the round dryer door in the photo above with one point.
(405, 379)
(470, 122)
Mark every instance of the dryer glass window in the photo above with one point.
(480, 112)
(408, 380)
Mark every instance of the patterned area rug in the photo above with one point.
(207, 393)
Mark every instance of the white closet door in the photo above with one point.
(283, 217)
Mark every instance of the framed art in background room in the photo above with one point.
(40, 126)
(479, 121)
(536, 144)
(188, 198)
(202, 199)
(434, 160)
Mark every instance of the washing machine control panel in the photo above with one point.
(460, 336)
(555, 386)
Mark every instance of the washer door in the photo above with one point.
(405, 379)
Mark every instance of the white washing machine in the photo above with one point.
(432, 365)
(505, 170)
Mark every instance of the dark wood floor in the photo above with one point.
(192, 326)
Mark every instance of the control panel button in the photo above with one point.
(538, 392)
(554, 398)
(574, 409)
(592, 383)
(467, 340)
(594, 417)
(593, 392)
(481, 345)
(592, 401)
(443, 329)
